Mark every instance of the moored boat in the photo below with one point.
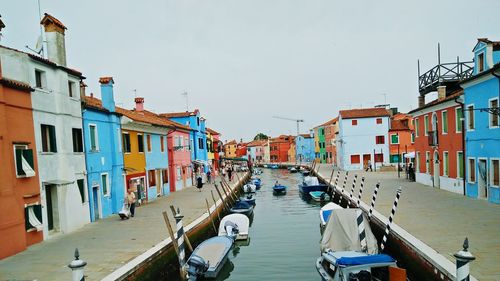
(249, 188)
(312, 184)
(325, 212)
(248, 199)
(257, 182)
(293, 170)
(319, 196)
(279, 189)
(209, 257)
(242, 208)
(273, 166)
(240, 220)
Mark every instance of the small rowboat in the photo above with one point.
(249, 199)
(249, 188)
(279, 189)
(319, 196)
(242, 208)
(257, 182)
(293, 170)
(209, 257)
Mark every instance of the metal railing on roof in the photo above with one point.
(444, 73)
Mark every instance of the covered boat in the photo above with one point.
(273, 166)
(242, 208)
(209, 257)
(249, 187)
(240, 220)
(325, 212)
(312, 184)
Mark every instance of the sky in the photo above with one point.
(243, 62)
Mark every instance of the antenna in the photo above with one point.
(41, 30)
(185, 94)
(135, 93)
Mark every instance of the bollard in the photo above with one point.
(334, 187)
(374, 197)
(463, 258)
(180, 236)
(351, 196)
(360, 191)
(361, 230)
(391, 217)
(343, 187)
(77, 267)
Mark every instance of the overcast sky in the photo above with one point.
(243, 62)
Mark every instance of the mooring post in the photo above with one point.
(210, 215)
(215, 202)
(334, 187)
(343, 187)
(464, 257)
(361, 230)
(330, 181)
(221, 198)
(360, 191)
(391, 217)
(182, 238)
(351, 196)
(374, 197)
(77, 267)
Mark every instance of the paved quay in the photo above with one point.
(106, 244)
(438, 218)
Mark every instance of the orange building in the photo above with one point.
(230, 149)
(331, 130)
(20, 208)
(279, 148)
(401, 138)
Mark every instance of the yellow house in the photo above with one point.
(230, 149)
(210, 147)
(134, 160)
(316, 144)
(291, 153)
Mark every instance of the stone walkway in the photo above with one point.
(439, 218)
(106, 244)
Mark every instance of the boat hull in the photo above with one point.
(247, 212)
(308, 188)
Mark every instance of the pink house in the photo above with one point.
(179, 157)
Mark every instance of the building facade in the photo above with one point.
(401, 139)
(179, 157)
(331, 130)
(304, 148)
(230, 149)
(279, 148)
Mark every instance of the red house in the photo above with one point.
(278, 148)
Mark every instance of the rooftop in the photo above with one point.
(451, 96)
(364, 113)
(50, 19)
(179, 114)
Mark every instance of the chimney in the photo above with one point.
(108, 98)
(441, 92)
(139, 104)
(82, 90)
(421, 101)
(54, 34)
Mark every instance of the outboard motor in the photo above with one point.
(363, 275)
(196, 267)
(232, 229)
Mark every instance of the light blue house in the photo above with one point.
(482, 131)
(197, 136)
(104, 158)
(304, 148)
(157, 164)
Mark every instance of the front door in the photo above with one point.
(366, 158)
(50, 216)
(436, 169)
(482, 191)
(95, 202)
(159, 183)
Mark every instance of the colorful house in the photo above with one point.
(57, 118)
(331, 130)
(279, 148)
(241, 149)
(304, 148)
(216, 146)
(20, 202)
(256, 150)
(179, 157)
(482, 130)
(230, 149)
(362, 138)
(266, 151)
(292, 152)
(319, 131)
(210, 148)
(103, 152)
(197, 138)
(401, 139)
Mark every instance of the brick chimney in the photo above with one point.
(441, 92)
(54, 34)
(82, 90)
(107, 95)
(139, 104)
(421, 101)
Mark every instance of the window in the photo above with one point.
(354, 122)
(33, 218)
(417, 162)
(471, 166)
(426, 124)
(416, 127)
(460, 164)
(94, 142)
(470, 117)
(162, 144)
(412, 137)
(495, 176)
(126, 142)
(379, 121)
(201, 144)
(198, 121)
(77, 140)
(494, 117)
(71, 88)
(39, 79)
(379, 139)
(394, 158)
(140, 142)
(427, 161)
(446, 164)
(164, 176)
(480, 62)
(48, 138)
(394, 139)
(459, 115)
(148, 142)
(81, 188)
(379, 158)
(105, 184)
(444, 117)
(152, 177)
(23, 159)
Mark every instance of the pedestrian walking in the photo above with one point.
(369, 166)
(131, 201)
(209, 175)
(230, 172)
(199, 182)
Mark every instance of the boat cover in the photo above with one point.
(341, 233)
(350, 261)
(308, 181)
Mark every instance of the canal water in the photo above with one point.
(284, 235)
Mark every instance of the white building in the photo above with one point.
(362, 138)
(58, 129)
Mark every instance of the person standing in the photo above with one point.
(230, 172)
(209, 175)
(131, 201)
(199, 182)
(369, 166)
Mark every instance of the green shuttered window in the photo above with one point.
(24, 161)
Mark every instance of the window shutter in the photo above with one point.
(19, 162)
(27, 224)
(28, 156)
(53, 143)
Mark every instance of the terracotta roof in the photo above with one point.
(256, 143)
(93, 103)
(330, 122)
(399, 125)
(364, 113)
(179, 114)
(212, 131)
(230, 142)
(106, 80)
(307, 136)
(50, 19)
(401, 116)
(16, 84)
(452, 96)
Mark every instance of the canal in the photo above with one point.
(284, 235)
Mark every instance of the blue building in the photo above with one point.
(104, 158)
(482, 131)
(197, 136)
(157, 164)
(304, 148)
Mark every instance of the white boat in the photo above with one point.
(249, 187)
(325, 212)
(208, 258)
(240, 220)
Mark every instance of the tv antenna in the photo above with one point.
(185, 94)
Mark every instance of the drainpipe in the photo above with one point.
(462, 105)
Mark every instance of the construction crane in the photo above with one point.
(291, 119)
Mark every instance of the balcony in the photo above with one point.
(433, 138)
(444, 74)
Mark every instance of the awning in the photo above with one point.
(58, 182)
(28, 171)
(200, 162)
(241, 159)
(410, 155)
(129, 169)
(33, 220)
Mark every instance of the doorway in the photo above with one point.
(366, 158)
(436, 169)
(52, 214)
(95, 203)
(482, 180)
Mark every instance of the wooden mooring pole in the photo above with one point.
(221, 198)
(210, 215)
(215, 203)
